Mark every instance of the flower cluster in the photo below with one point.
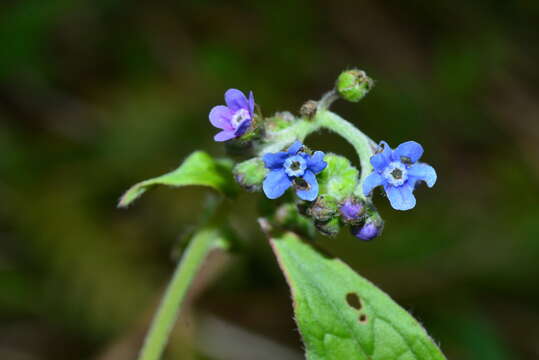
(329, 189)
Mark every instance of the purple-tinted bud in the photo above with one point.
(351, 210)
(368, 231)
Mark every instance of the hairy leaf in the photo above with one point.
(342, 315)
(198, 169)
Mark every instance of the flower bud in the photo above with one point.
(372, 228)
(308, 109)
(352, 210)
(250, 174)
(353, 85)
(323, 209)
(329, 228)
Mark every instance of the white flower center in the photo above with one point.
(239, 116)
(396, 173)
(295, 166)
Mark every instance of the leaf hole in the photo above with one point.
(363, 318)
(353, 300)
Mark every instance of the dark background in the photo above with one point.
(97, 95)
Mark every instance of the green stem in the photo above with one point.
(188, 266)
(299, 131)
(363, 145)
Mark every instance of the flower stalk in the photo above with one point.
(188, 267)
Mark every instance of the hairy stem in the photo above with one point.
(188, 266)
(363, 145)
(299, 131)
(327, 99)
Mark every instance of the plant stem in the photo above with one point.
(197, 251)
(299, 131)
(327, 99)
(363, 145)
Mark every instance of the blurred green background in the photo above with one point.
(97, 95)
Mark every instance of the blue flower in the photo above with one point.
(398, 172)
(234, 118)
(293, 167)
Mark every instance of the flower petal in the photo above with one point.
(381, 160)
(401, 197)
(311, 193)
(224, 135)
(295, 147)
(372, 181)
(276, 183)
(251, 103)
(236, 100)
(410, 149)
(220, 117)
(423, 172)
(275, 161)
(316, 162)
(242, 127)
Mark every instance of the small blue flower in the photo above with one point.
(234, 118)
(398, 172)
(293, 167)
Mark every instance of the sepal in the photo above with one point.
(250, 174)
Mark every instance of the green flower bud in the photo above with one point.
(250, 174)
(353, 85)
(328, 228)
(339, 178)
(323, 209)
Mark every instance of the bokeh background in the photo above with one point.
(97, 95)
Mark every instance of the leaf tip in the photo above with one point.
(130, 196)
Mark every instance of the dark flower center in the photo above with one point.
(301, 184)
(295, 165)
(397, 174)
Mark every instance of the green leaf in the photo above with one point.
(342, 315)
(198, 169)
